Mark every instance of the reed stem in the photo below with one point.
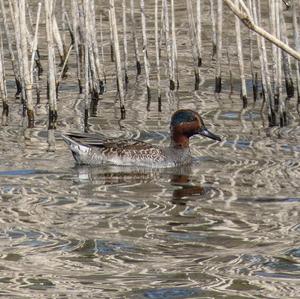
(102, 51)
(287, 69)
(114, 28)
(267, 88)
(35, 40)
(296, 30)
(58, 40)
(3, 89)
(192, 33)
(199, 32)
(253, 73)
(219, 27)
(26, 69)
(157, 56)
(145, 52)
(241, 60)
(168, 44)
(14, 63)
(134, 37)
(52, 95)
(126, 79)
(77, 44)
(87, 64)
(174, 46)
(214, 27)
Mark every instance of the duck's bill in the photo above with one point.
(204, 132)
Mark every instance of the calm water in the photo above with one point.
(226, 227)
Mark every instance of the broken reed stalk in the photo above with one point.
(240, 59)
(114, 29)
(126, 80)
(77, 44)
(218, 85)
(3, 90)
(20, 6)
(297, 47)
(168, 45)
(52, 95)
(60, 77)
(192, 33)
(174, 46)
(135, 41)
(14, 63)
(246, 18)
(213, 27)
(145, 52)
(70, 29)
(157, 55)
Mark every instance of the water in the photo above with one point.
(226, 227)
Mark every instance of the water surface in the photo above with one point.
(226, 227)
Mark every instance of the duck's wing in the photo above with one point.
(84, 139)
(97, 140)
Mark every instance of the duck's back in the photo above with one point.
(128, 152)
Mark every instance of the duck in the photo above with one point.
(97, 149)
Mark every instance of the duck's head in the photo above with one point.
(186, 123)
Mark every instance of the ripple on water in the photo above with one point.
(236, 115)
(172, 293)
(295, 252)
(21, 172)
(226, 227)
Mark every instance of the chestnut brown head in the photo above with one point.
(186, 123)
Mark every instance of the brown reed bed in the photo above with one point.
(71, 31)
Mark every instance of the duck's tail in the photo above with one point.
(79, 150)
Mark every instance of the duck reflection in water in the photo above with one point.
(180, 177)
(182, 195)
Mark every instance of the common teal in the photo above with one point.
(95, 149)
